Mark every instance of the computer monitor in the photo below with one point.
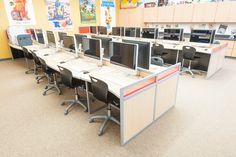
(124, 54)
(173, 34)
(39, 35)
(132, 32)
(105, 44)
(61, 35)
(102, 30)
(79, 39)
(122, 31)
(92, 47)
(202, 36)
(116, 31)
(150, 33)
(69, 43)
(93, 29)
(51, 38)
(144, 53)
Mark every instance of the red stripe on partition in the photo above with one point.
(139, 86)
(84, 29)
(167, 73)
(220, 47)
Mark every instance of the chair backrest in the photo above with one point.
(36, 59)
(26, 53)
(44, 65)
(99, 89)
(157, 50)
(66, 77)
(157, 61)
(188, 52)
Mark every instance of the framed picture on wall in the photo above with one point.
(20, 12)
(87, 11)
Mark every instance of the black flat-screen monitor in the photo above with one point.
(143, 53)
(93, 29)
(202, 36)
(69, 43)
(173, 34)
(92, 47)
(79, 39)
(116, 31)
(122, 31)
(123, 54)
(102, 30)
(61, 35)
(51, 38)
(105, 44)
(132, 32)
(150, 33)
(40, 37)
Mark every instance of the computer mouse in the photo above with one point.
(45, 54)
(62, 62)
(85, 72)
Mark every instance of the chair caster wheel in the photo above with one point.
(62, 104)
(86, 110)
(91, 120)
(100, 133)
(37, 82)
(46, 88)
(66, 113)
(59, 93)
(44, 94)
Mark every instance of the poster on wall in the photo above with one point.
(108, 13)
(87, 11)
(126, 4)
(59, 16)
(20, 12)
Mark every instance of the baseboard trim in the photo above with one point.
(4, 59)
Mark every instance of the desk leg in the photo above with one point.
(87, 95)
(177, 57)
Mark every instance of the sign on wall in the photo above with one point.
(108, 13)
(87, 11)
(59, 16)
(20, 12)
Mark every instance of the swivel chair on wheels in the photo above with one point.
(28, 57)
(189, 54)
(100, 92)
(68, 80)
(158, 54)
(51, 76)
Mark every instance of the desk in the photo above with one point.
(148, 96)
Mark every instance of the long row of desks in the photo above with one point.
(143, 98)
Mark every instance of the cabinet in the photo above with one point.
(165, 14)
(183, 13)
(150, 14)
(204, 12)
(232, 13)
(131, 17)
(222, 12)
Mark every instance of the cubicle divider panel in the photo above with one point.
(217, 59)
(137, 107)
(166, 90)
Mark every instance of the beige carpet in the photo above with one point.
(202, 124)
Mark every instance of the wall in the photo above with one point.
(42, 22)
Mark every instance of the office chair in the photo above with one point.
(68, 80)
(100, 92)
(37, 66)
(189, 55)
(157, 54)
(28, 57)
(51, 76)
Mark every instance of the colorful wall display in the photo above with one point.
(87, 11)
(20, 12)
(125, 4)
(108, 13)
(59, 16)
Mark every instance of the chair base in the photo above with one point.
(38, 78)
(51, 87)
(106, 119)
(73, 103)
(30, 71)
